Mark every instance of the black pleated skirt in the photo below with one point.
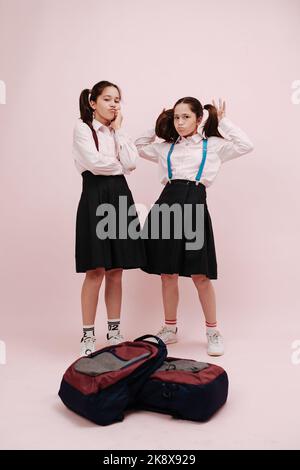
(171, 256)
(92, 251)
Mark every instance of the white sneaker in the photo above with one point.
(215, 343)
(88, 345)
(167, 335)
(115, 339)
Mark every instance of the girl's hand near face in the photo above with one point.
(221, 109)
(117, 121)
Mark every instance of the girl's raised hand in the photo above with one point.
(117, 121)
(221, 109)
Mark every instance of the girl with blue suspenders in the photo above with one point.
(187, 168)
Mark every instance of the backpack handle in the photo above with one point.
(160, 342)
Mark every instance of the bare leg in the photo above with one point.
(113, 292)
(90, 294)
(207, 297)
(170, 295)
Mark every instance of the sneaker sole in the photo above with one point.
(171, 341)
(113, 343)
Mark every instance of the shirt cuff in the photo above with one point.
(120, 133)
(225, 125)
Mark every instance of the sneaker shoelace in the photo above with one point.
(215, 338)
(117, 336)
(88, 339)
(88, 343)
(163, 330)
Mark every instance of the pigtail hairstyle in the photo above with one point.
(210, 127)
(86, 111)
(165, 128)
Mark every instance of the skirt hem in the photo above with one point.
(106, 268)
(181, 274)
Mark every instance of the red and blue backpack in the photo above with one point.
(139, 375)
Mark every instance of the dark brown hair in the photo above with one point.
(165, 128)
(86, 111)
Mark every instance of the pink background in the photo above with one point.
(246, 52)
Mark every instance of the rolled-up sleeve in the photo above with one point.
(127, 150)
(235, 143)
(146, 147)
(86, 154)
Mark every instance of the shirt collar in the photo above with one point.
(98, 125)
(196, 138)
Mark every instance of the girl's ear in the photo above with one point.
(199, 120)
(93, 105)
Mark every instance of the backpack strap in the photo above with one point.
(159, 341)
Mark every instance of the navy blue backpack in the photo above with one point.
(104, 384)
(139, 375)
(185, 388)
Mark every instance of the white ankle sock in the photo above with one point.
(88, 330)
(171, 325)
(113, 325)
(211, 329)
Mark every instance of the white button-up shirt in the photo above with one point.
(117, 153)
(187, 153)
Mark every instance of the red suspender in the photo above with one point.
(95, 138)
